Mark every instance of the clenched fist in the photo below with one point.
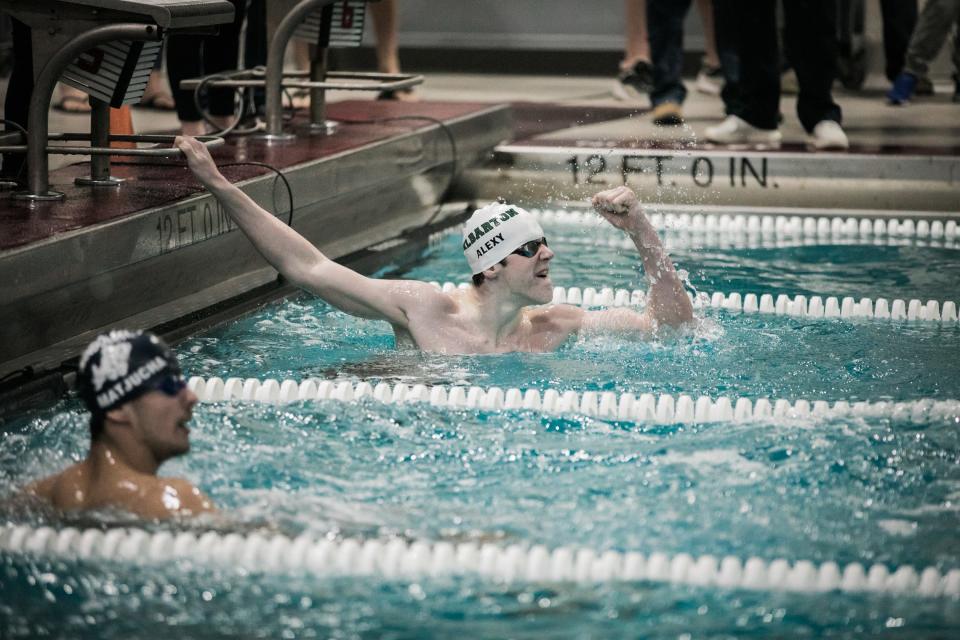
(620, 207)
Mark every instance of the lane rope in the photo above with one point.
(799, 305)
(723, 240)
(860, 228)
(646, 408)
(397, 558)
(692, 241)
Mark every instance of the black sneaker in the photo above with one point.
(956, 87)
(924, 87)
(634, 83)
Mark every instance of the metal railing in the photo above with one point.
(274, 80)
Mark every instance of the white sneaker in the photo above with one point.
(709, 80)
(735, 130)
(828, 135)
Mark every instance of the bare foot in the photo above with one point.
(72, 100)
(300, 99)
(156, 95)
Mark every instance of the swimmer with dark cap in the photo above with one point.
(139, 409)
(507, 309)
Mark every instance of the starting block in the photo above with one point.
(326, 24)
(105, 48)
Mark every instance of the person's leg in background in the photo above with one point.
(747, 38)
(635, 79)
(386, 27)
(810, 30)
(156, 95)
(666, 49)
(255, 45)
(899, 18)
(956, 60)
(222, 53)
(191, 56)
(934, 24)
(759, 63)
(725, 26)
(710, 76)
(16, 106)
(185, 60)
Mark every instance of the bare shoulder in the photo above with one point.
(168, 497)
(52, 488)
(187, 499)
(42, 488)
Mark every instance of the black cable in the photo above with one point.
(289, 110)
(21, 129)
(244, 106)
(251, 163)
(453, 149)
(237, 113)
(16, 126)
(280, 176)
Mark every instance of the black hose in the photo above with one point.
(280, 176)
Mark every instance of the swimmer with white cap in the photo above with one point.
(507, 309)
(139, 409)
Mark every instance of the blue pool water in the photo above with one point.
(853, 489)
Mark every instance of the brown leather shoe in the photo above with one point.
(667, 114)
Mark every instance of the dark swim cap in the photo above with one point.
(122, 365)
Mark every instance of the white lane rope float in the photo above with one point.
(723, 240)
(799, 305)
(821, 227)
(645, 408)
(399, 559)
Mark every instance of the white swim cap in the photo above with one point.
(494, 232)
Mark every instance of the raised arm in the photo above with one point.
(667, 301)
(296, 258)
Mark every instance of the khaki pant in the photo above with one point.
(934, 24)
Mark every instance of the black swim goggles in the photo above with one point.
(170, 385)
(530, 249)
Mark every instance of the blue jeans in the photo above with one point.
(665, 25)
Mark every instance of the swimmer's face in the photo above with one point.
(530, 276)
(160, 421)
